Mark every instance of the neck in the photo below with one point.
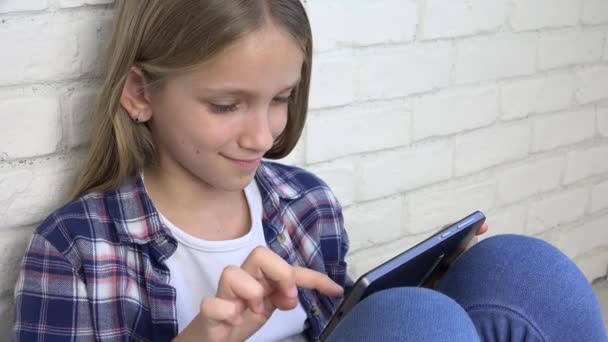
(196, 207)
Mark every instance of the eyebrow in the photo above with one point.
(240, 91)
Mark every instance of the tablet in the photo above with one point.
(417, 266)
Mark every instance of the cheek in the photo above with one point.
(278, 122)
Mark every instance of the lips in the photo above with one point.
(245, 163)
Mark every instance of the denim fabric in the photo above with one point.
(506, 288)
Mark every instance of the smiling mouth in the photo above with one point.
(245, 163)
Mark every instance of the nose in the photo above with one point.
(257, 134)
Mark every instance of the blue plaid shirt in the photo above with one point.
(95, 269)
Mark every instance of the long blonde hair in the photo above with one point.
(166, 37)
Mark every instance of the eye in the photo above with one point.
(281, 99)
(220, 109)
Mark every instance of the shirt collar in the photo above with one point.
(138, 221)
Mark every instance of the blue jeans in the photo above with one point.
(505, 288)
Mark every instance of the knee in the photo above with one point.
(409, 302)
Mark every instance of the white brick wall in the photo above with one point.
(421, 111)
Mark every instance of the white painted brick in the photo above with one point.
(374, 222)
(595, 12)
(364, 128)
(454, 111)
(387, 173)
(31, 126)
(585, 163)
(79, 108)
(364, 260)
(521, 98)
(548, 213)
(509, 220)
(347, 23)
(599, 197)
(6, 313)
(592, 84)
(333, 80)
(491, 146)
(537, 14)
(340, 176)
(583, 238)
(494, 57)
(437, 206)
(583, 46)
(52, 47)
(77, 3)
(555, 130)
(12, 248)
(400, 71)
(515, 184)
(593, 265)
(602, 120)
(460, 17)
(606, 48)
(7, 6)
(32, 190)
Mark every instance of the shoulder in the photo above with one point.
(295, 183)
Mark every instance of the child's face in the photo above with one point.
(217, 122)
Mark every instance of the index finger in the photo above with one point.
(310, 279)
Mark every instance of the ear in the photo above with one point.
(135, 98)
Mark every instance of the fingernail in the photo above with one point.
(293, 292)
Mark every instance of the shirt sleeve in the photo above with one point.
(51, 302)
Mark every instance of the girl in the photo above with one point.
(179, 231)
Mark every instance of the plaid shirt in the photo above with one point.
(95, 269)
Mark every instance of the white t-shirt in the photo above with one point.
(197, 264)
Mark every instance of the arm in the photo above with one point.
(51, 302)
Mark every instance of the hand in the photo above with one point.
(248, 295)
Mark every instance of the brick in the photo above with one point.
(586, 163)
(536, 95)
(58, 47)
(31, 126)
(584, 46)
(595, 12)
(582, 238)
(387, 173)
(454, 111)
(538, 14)
(599, 197)
(32, 190)
(333, 80)
(340, 176)
(12, 248)
(457, 18)
(364, 260)
(556, 130)
(518, 183)
(548, 213)
(592, 84)
(394, 21)
(374, 222)
(6, 313)
(506, 220)
(77, 3)
(364, 128)
(404, 70)
(79, 108)
(602, 120)
(433, 207)
(7, 6)
(491, 146)
(494, 57)
(593, 265)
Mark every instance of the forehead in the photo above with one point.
(264, 60)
